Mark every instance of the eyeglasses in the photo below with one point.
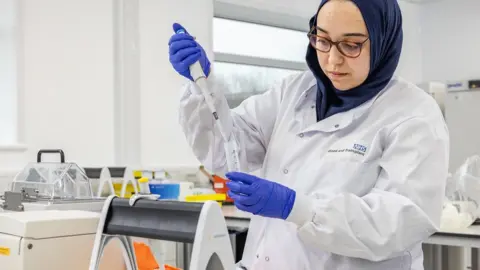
(346, 48)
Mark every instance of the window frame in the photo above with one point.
(258, 61)
(239, 13)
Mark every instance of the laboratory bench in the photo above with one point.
(236, 218)
(449, 249)
(469, 237)
(443, 250)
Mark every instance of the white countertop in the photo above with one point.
(469, 237)
(473, 230)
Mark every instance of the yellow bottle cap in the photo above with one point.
(143, 180)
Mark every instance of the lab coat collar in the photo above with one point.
(306, 96)
(337, 121)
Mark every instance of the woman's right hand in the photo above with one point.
(184, 51)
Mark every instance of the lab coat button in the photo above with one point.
(257, 256)
(300, 135)
(267, 259)
(313, 107)
(337, 125)
(285, 171)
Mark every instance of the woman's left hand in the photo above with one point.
(259, 196)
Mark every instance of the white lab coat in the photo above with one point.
(370, 181)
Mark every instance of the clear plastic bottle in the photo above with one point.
(144, 185)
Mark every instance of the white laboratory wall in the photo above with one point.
(8, 63)
(6, 177)
(410, 66)
(64, 81)
(162, 141)
(67, 81)
(450, 40)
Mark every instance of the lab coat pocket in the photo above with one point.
(340, 175)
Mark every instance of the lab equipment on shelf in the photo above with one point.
(50, 185)
(461, 109)
(121, 181)
(166, 190)
(101, 181)
(144, 185)
(124, 181)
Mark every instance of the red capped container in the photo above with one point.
(220, 186)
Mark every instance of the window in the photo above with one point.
(248, 39)
(243, 81)
(253, 79)
(249, 58)
(8, 81)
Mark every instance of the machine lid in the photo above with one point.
(48, 223)
(53, 181)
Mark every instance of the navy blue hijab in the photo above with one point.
(383, 19)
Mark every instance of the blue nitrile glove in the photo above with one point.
(184, 51)
(259, 196)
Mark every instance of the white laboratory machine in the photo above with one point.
(459, 102)
(53, 240)
(143, 216)
(462, 108)
(50, 186)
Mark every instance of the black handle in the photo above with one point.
(51, 151)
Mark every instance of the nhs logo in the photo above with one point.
(360, 148)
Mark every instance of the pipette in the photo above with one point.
(230, 142)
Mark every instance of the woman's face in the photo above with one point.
(341, 20)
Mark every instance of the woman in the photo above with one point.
(356, 159)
